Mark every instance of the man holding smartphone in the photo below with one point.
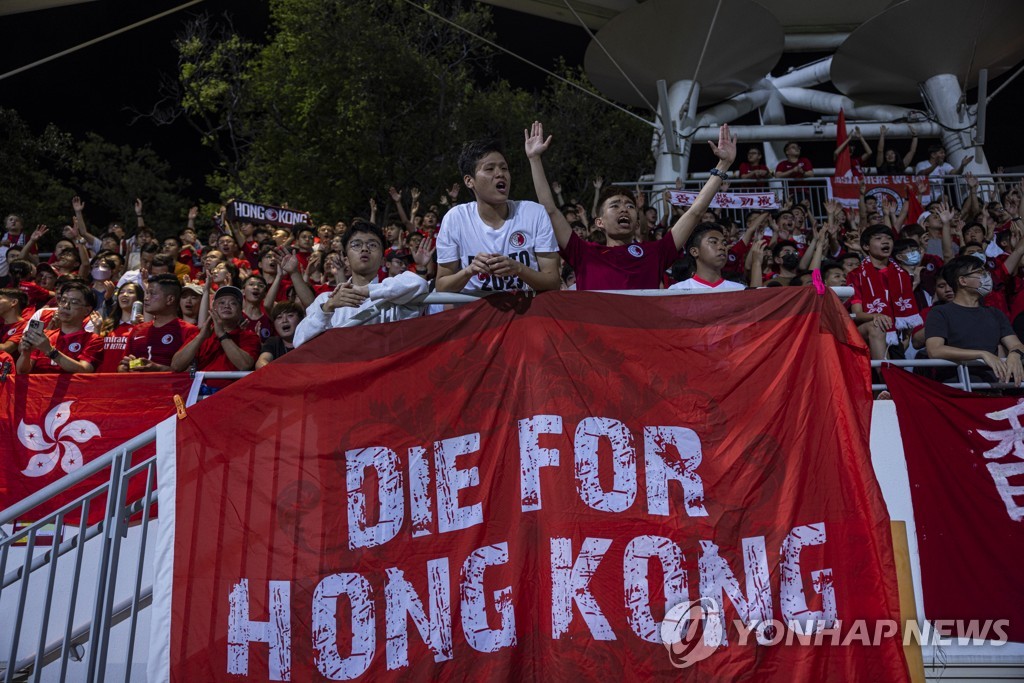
(69, 348)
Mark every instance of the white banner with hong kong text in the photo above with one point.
(728, 200)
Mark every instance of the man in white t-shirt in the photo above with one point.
(936, 167)
(709, 249)
(494, 243)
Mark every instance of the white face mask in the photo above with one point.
(984, 287)
(912, 257)
(980, 255)
(101, 274)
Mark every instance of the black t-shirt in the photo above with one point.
(275, 347)
(978, 329)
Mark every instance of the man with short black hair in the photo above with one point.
(965, 329)
(885, 290)
(494, 243)
(152, 345)
(709, 251)
(621, 262)
(69, 348)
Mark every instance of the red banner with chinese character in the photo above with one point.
(965, 459)
(542, 489)
(893, 188)
(55, 424)
(754, 201)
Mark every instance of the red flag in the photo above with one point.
(915, 209)
(535, 489)
(965, 459)
(54, 424)
(844, 167)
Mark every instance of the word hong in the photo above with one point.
(571, 572)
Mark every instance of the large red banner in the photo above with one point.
(965, 459)
(536, 489)
(55, 424)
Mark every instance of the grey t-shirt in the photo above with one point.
(978, 328)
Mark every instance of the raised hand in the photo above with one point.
(556, 187)
(641, 199)
(396, 196)
(373, 204)
(415, 193)
(193, 213)
(424, 254)
(138, 206)
(453, 192)
(39, 233)
(945, 212)
(598, 182)
(77, 204)
(726, 147)
(883, 129)
(536, 144)
(972, 180)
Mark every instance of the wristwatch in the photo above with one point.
(1019, 352)
(52, 355)
(223, 337)
(724, 175)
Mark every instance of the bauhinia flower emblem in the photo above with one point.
(50, 445)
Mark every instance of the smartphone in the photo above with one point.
(36, 325)
(768, 232)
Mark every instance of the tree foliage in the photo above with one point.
(347, 98)
(591, 138)
(40, 173)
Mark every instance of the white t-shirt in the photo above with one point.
(699, 284)
(526, 232)
(945, 168)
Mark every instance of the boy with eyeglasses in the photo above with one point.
(363, 249)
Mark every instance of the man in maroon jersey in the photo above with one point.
(152, 345)
(69, 348)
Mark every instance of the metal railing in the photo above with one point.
(816, 190)
(102, 540)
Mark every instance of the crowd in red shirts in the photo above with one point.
(221, 295)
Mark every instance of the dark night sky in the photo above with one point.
(97, 88)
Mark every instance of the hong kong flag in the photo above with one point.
(54, 424)
(965, 459)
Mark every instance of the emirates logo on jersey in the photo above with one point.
(167, 339)
(517, 240)
(635, 250)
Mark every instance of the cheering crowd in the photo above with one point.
(931, 276)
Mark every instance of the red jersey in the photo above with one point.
(787, 165)
(81, 346)
(114, 343)
(628, 266)
(211, 354)
(11, 332)
(37, 296)
(159, 344)
(263, 326)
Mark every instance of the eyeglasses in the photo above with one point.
(64, 301)
(359, 244)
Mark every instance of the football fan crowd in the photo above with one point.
(935, 277)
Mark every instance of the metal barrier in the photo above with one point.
(112, 554)
(816, 190)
